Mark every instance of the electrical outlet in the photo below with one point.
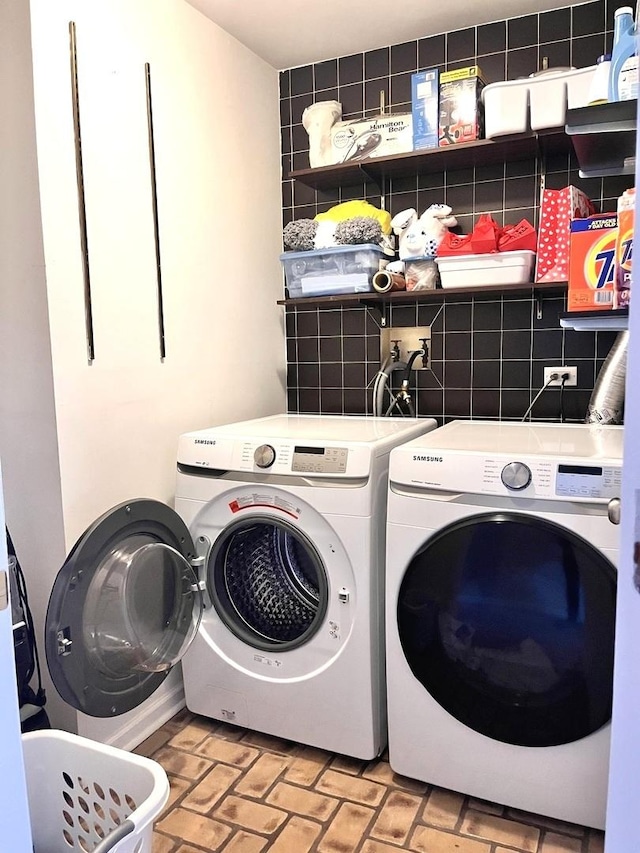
(407, 339)
(571, 371)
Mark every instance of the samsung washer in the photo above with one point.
(502, 542)
(266, 581)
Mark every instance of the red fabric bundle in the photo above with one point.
(487, 237)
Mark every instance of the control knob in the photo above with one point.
(264, 456)
(516, 476)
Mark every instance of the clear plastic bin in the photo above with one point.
(336, 270)
(88, 797)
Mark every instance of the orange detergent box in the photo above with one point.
(592, 262)
(624, 248)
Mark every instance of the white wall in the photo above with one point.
(28, 443)
(114, 423)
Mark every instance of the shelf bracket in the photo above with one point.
(539, 300)
(376, 178)
(378, 312)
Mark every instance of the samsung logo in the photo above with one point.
(427, 458)
(204, 441)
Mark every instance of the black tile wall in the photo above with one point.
(488, 351)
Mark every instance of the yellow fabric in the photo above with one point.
(350, 209)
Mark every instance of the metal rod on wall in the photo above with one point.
(154, 202)
(82, 213)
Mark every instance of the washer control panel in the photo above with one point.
(264, 456)
(319, 460)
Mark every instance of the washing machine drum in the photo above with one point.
(508, 622)
(268, 583)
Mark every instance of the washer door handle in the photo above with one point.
(613, 510)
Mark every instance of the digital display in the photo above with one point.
(319, 451)
(580, 469)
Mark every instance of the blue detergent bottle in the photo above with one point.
(624, 47)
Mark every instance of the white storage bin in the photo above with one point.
(336, 270)
(538, 102)
(486, 270)
(551, 94)
(506, 108)
(84, 796)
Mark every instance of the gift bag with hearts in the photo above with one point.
(557, 210)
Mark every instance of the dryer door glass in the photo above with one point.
(123, 609)
(268, 583)
(508, 621)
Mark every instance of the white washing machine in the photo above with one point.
(267, 579)
(502, 542)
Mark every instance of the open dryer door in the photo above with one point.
(124, 608)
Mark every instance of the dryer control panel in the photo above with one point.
(588, 481)
(546, 479)
(518, 476)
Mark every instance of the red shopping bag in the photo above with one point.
(557, 210)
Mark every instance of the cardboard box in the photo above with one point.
(379, 136)
(425, 108)
(624, 249)
(592, 252)
(460, 105)
(557, 210)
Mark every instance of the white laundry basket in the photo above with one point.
(91, 798)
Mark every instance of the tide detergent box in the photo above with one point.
(592, 254)
(624, 249)
(461, 116)
(424, 103)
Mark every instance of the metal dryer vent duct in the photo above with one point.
(606, 405)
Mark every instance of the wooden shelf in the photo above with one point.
(604, 138)
(593, 321)
(403, 297)
(460, 156)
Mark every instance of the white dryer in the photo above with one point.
(266, 581)
(500, 610)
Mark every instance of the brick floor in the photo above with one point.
(238, 791)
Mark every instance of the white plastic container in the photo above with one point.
(506, 108)
(486, 270)
(332, 271)
(536, 102)
(86, 796)
(551, 95)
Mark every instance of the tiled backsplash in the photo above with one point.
(488, 351)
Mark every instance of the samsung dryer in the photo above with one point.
(266, 581)
(502, 542)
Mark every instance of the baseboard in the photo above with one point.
(167, 706)
(139, 724)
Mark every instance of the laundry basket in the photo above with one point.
(87, 797)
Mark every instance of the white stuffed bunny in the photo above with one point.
(420, 237)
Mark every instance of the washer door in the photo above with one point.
(268, 583)
(508, 622)
(123, 609)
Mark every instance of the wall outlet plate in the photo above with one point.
(408, 339)
(571, 371)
